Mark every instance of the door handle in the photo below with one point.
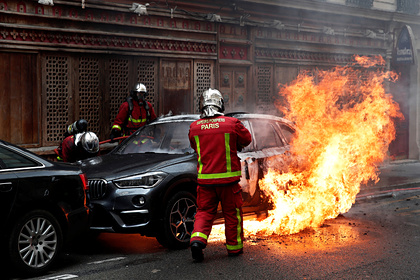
(6, 187)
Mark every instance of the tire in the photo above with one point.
(178, 221)
(35, 242)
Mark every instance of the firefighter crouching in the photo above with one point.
(134, 113)
(216, 140)
(79, 146)
(78, 126)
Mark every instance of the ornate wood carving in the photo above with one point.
(56, 78)
(203, 80)
(80, 40)
(118, 85)
(263, 53)
(89, 93)
(201, 41)
(233, 52)
(319, 38)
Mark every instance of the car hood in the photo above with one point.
(112, 166)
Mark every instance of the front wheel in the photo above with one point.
(35, 241)
(178, 221)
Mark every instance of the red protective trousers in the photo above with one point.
(208, 198)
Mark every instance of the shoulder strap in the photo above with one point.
(146, 107)
(130, 105)
(130, 110)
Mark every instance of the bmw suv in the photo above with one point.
(147, 184)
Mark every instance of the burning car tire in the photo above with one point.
(178, 221)
(35, 242)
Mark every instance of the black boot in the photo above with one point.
(240, 252)
(197, 251)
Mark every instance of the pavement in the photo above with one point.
(395, 176)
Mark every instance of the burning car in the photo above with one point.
(147, 184)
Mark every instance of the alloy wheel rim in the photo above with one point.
(182, 219)
(37, 242)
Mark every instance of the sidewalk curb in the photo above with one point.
(390, 191)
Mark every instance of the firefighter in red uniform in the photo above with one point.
(79, 146)
(133, 113)
(78, 126)
(216, 140)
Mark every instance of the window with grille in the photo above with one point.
(264, 88)
(89, 94)
(118, 86)
(203, 80)
(147, 75)
(56, 83)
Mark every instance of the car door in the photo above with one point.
(8, 185)
(13, 167)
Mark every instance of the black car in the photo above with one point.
(147, 184)
(42, 205)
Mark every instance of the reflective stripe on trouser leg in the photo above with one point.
(199, 234)
(231, 199)
(239, 231)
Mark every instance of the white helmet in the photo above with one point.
(139, 87)
(138, 92)
(88, 141)
(212, 103)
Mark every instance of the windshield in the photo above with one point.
(159, 138)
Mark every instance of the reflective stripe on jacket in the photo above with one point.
(216, 141)
(130, 123)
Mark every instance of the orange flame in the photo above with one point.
(345, 122)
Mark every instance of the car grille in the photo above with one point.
(97, 188)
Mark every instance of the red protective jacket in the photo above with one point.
(72, 153)
(216, 141)
(128, 124)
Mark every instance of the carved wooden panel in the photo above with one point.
(233, 86)
(150, 31)
(89, 99)
(102, 83)
(264, 77)
(118, 85)
(147, 74)
(56, 88)
(203, 80)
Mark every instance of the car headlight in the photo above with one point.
(147, 180)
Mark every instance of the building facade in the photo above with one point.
(65, 60)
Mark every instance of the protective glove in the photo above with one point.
(114, 134)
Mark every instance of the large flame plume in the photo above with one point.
(345, 121)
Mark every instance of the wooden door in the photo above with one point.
(176, 87)
(19, 114)
(233, 86)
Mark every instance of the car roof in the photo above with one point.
(25, 152)
(185, 117)
(238, 115)
(244, 115)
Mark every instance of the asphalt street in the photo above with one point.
(395, 176)
(377, 239)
